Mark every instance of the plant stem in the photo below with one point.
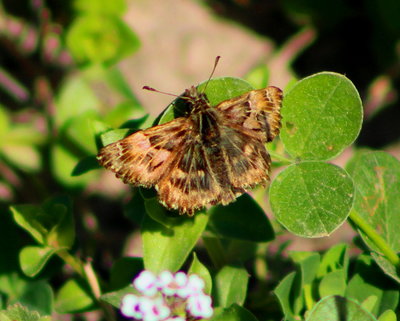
(308, 296)
(87, 273)
(92, 279)
(281, 158)
(378, 240)
(75, 263)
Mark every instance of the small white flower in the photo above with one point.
(164, 280)
(166, 297)
(199, 305)
(146, 283)
(130, 306)
(194, 285)
(153, 309)
(181, 279)
(169, 283)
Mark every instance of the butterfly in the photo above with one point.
(210, 156)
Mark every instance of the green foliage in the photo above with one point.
(98, 34)
(52, 253)
(231, 286)
(334, 307)
(312, 199)
(322, 115)
(166, 246)
(233, 313)
(201, 270)
(20, 313)
(19, 143)
(227, 221)
(74, 296)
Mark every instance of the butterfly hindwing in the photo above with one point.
(192, 183)
(257, 110)
(248, 162)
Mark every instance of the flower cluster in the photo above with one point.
(167, 297)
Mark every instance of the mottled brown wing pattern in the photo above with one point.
(193, 183)
(247, 123)
(144, 157)
(257, 110)
(209, 157)
(199, 177)
(247, 160)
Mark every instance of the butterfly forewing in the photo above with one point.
(144, 157)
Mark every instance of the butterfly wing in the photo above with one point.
(143, 158)
(192, 183)
(247, 162)
(208, 158)
(247, 122)
(256, 110)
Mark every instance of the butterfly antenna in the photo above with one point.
(158, 91)
(212, 72)
(165, 93)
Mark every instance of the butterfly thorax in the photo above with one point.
(198, 100)
(203, 117)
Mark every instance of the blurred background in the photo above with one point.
(70, 69)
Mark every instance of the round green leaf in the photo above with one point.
(223, 88)
(336, 308)
(321, 116)
(312, 199)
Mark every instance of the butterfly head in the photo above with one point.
(197, 100)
